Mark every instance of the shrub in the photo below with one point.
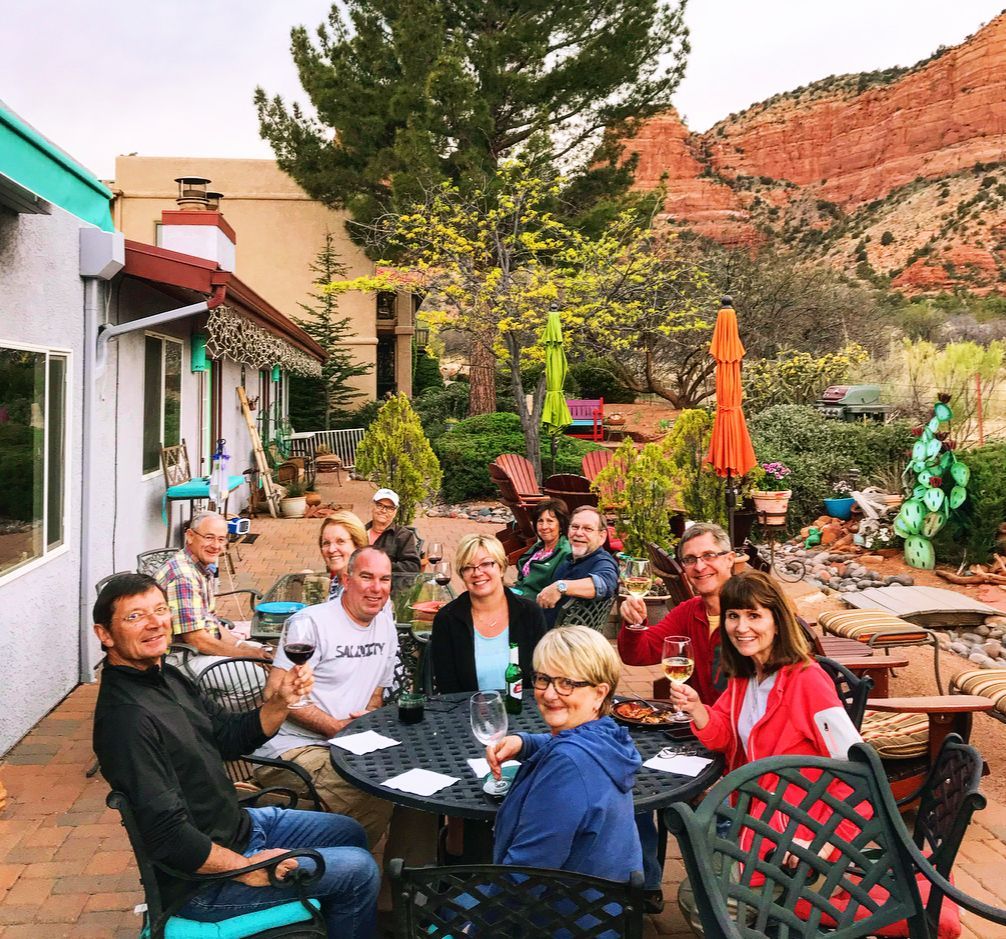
(597, 379)
(426, 374)
(887, 238)
(467, 450)
(819, 450)
(395, 453)
(973, 532)
(436, 406)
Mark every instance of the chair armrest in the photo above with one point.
(269, 864)
(230, 593)
(935, 704)
(887, 662)
(252, 798)
(296, 770)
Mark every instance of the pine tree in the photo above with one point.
(395, 453)
(318, 402)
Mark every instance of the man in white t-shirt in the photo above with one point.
(354, 660)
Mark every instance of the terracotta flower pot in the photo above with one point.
(771, 506)
(313, 498)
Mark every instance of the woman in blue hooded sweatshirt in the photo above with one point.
(570, 807)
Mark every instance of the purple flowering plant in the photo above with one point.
(776, 475)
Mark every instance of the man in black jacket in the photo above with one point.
(163, 744)
(398, 542)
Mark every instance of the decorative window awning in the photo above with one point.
(235, 337)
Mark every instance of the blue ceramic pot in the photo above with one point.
(839, 508)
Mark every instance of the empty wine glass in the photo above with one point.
(678, 662)
(489, 724)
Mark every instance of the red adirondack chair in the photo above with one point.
(595, 461)
(574, 490)
(521, 473)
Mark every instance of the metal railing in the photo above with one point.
(342, 443)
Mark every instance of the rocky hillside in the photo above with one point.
(897, 176)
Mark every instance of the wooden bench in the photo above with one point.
(588, 418)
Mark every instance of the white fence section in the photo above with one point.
(342, 443)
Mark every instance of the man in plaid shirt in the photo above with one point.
(187, 580)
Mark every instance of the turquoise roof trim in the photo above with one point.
(35, 163)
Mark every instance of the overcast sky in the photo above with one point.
(176, 78)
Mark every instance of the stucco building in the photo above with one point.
(280, 231)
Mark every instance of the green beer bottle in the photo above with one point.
(514, 683)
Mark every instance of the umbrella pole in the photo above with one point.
(553, 448)
(731, 505)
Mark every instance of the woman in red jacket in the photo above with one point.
(778, 700)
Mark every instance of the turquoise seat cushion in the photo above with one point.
(237, 927)
(199, 487)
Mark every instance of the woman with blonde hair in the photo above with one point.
(472, 634)
(570, 807)
(341, 534)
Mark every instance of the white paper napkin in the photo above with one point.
(681, 764)
(420, 782)
(364, 742)
(480, 766)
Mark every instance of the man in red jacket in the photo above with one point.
(707, 558)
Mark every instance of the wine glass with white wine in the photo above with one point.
(678, 663)
(637, 582)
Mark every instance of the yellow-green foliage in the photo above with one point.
(703, 493)
(395, 453)
(797, 377)
(643, 487)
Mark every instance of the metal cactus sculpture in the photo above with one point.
(938, 481)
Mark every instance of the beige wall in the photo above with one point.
(279, 230)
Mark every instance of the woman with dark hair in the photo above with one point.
(778, 700)
(537, 565)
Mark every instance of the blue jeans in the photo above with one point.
(347, 890)
(653, 872)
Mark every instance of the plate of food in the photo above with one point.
(653, 715)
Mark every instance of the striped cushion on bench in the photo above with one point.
(877, 627)
(987, 682)
(896, 736)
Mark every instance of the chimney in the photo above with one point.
(197, 226)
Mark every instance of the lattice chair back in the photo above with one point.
(147, 562)
(175, 465)
(853, 690)
(515, 902)
(853, 873)
(297, 917)
(580, 612)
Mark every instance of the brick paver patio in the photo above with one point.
(65, 866)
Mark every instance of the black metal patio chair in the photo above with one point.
(855, 870)
(580, 612)
(298, 917)
(853, 690)
(515, 902)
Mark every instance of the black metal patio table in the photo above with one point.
(443, 742)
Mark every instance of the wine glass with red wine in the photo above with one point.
(436, 553)
(298, 647)
(442, 574)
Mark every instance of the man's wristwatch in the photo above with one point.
(560, 585)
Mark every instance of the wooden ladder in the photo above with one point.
(261, 463)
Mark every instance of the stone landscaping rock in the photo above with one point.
(981, 660)
(993, 648)
(961, 648)
(982, 629)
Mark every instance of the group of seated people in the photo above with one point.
(756, 693)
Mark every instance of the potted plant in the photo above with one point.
(772, 499)
(293, 504)
(840, 504)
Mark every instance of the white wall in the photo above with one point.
(41, 304)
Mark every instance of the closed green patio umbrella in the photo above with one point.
(555, 413)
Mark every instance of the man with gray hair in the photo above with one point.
(706, 556)
(705, 553)
(187, 580)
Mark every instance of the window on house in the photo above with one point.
(32, 454)
(162, 399)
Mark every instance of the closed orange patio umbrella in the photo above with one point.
(730, 451)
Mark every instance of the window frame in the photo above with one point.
(163, 337)
(49, 554)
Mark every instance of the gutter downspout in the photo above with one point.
(96, 339)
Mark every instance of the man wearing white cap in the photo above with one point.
(396, 541)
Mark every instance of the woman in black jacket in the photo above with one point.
(470, 645)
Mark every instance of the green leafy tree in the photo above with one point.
(395, 453)
(317, 403)
(798, 377)
(496, 261)
(407, 95)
